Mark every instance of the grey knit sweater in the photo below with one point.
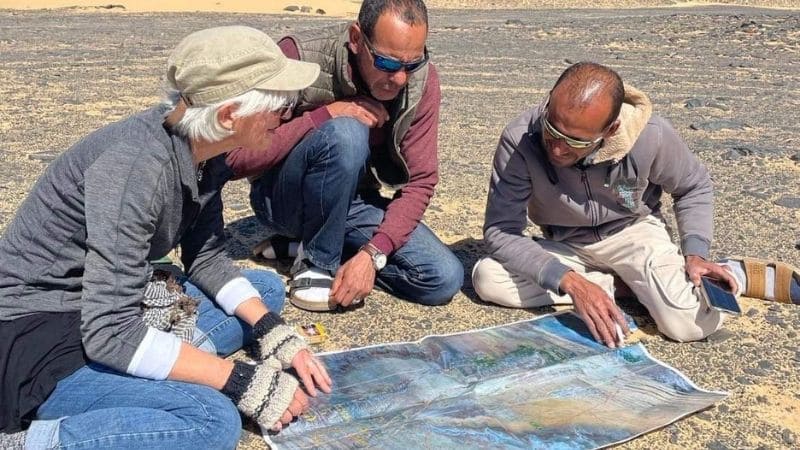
(123, 195)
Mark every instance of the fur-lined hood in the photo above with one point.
(633, 117)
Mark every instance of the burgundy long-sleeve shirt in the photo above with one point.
(419, 148)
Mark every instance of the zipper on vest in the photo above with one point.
(590, 201)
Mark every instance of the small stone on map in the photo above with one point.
(305, 9)
(321, 11)
(514, 22)
(292, 8)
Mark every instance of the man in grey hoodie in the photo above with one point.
(588, 166)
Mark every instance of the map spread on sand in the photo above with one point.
(542, 383)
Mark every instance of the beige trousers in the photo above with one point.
(642, 255)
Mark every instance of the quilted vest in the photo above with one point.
(328, 47)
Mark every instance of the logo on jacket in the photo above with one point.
(626, 193)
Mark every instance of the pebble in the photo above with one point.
(762, 399)
(720, 336)
(321, 11)
(788, 436)
(766, 365)
(514, 22)
(791, 335)
(788, 202)
(723, 408)
(743, 380)
(716, 125)
(756, 372)
(752, 312)
(236, 206)
(701, 102)
(305, 9)
(43, 156)
(795, 157)
(717, 445)
(292, 8)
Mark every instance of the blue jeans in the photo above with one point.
(97, 407)
(219, 333)
(313, 196)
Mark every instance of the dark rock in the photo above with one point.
(752, 312)
(762, 399)
(723, 408)
(716, 125)
(788, 202)
(717, 445)
(701, 102)
(788, 436)
(514, 22)
(791, 335)
(795, 157)
(292, 8)
(720, 336)
(693, 103)
(766, 365)
(305, 9)
(321, 11)
(756, 372)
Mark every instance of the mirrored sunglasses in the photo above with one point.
(392, 65)
(571, 142)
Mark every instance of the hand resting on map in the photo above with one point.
(595, 308)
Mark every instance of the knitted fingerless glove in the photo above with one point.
(272, 338)
(261, 392)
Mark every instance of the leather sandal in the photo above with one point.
(756, 272)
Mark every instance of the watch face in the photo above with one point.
(379, 261)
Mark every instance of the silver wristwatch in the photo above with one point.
(378, 258)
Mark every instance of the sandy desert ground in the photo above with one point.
(727, 76)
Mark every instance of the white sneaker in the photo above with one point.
(310, 287)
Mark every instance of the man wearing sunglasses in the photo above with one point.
(588, 166)
(369, 121)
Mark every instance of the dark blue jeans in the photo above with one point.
(312, 196)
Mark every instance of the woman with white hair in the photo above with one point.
(98, 349)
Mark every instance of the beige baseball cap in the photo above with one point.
(215, 64)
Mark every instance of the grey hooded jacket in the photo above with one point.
(613, 188)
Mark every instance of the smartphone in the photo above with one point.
(718, 296)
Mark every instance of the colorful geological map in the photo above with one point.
(542, 383)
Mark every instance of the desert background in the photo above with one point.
(727, 74)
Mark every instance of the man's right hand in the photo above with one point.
(595, 307)
(366, 110)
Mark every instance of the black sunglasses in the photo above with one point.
(392, 65)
